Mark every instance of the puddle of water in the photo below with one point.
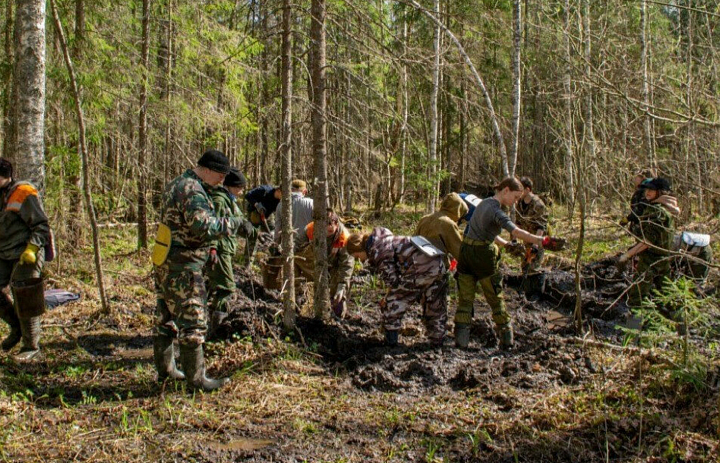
(241, 444)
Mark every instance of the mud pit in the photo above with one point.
(353, 347)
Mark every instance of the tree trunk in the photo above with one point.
(649, 140)
(285, 149)
(84, 157)
(143, 129)
(318, 120)
(432, 149)
(27, 145)
(7, 108)
(516, 63)
(567, 96)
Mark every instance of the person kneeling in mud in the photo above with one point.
(480, 261)
(340, 262)
(656, 229)
(411, 275)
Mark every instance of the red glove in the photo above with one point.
(453, 265)
(553, 244)
(213, 256)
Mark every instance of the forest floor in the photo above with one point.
(331, 391)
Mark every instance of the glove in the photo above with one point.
(29, 255)
(515, 248)
(213, 257)
(274, 250)
(554, 244)
(453, 265)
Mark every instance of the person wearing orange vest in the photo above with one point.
(24, 232)
(340, 262)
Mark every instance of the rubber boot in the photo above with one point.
(9, 316)
(30, 328)
(505, 333)
(216, 320)
(164, 355)
(391, 337)
(193, 362)
(462, 335)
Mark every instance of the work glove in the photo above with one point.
(554, 244)
(261, 209)
(515, 248)
(453, 266)
(213, 257)
(622, 262)
(338, 303)
(29, 255)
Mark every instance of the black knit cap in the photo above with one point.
(658, 183)
(235, 178)
(215, 160)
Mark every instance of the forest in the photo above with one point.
(385, 108)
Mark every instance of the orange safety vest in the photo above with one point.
(339, 242)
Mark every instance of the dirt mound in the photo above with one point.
(354, 346)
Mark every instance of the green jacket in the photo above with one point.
(657, 228)
(188, 211)
(22, 220)
(226, 206)
(441, 227)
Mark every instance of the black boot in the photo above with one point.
(462, 335)
(216, 319)
(193, 362)
(391, 338)
(30, 328)
(164, 355)
(9, 316)
(505, 333)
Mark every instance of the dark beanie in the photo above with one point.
(215, 160)
(658, 183)
(6, 168)
(235, 178)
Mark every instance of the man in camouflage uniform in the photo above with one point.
(411, 276)
(340, 262)
(187, 210)
(219, 270)
(531, 216)
(441, 227)
(656, 228)
(24, 231)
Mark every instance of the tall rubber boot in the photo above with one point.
(9, 316)
(505, 333)
(30, 328)
(216, 319)
(193, 362)
(462, 335)
(164, 355)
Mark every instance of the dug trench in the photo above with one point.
(541, 359)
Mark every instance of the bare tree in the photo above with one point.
(84, 158)
(143, 129)
(568, 98)
(516, 100)
(649, 139)
(432, 149)
(27, 142)
(319, 127)
(286, 153)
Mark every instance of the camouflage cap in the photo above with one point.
(298, 184)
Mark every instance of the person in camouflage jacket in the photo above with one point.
(340, 262)
(410, 275)
(188, 211)
(531, 216)
(24, 231)
(219, 269)
(656, 229)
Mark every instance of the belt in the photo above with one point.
(473, 242)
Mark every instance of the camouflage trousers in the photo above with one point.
(480, 263)
(182, 297)
(430, 290)
(652, 272)
(220, 282)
